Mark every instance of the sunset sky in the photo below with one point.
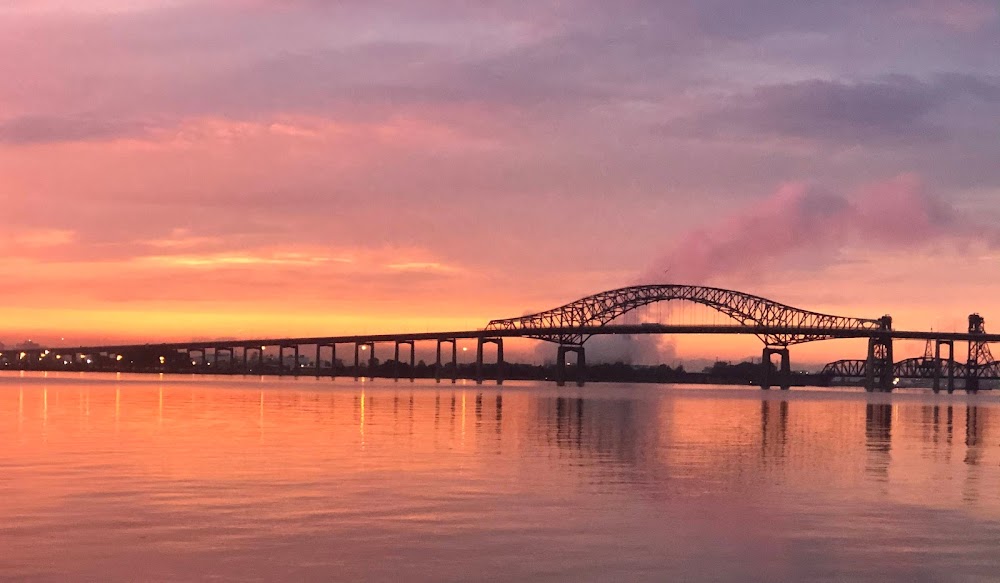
(175, 169)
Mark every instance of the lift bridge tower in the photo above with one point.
(979, 354)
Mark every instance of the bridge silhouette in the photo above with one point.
(777, 325)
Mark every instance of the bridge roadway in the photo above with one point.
(43, 357)
(610, 329)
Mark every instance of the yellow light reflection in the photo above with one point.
(362, 426)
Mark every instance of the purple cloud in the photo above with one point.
(893, 108)
(42, 130)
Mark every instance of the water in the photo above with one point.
(106, 478)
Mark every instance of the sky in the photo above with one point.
(174, 169)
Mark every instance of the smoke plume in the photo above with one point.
(808, 226)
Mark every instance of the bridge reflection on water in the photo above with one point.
(179, 464)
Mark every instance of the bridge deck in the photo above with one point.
(634, 329)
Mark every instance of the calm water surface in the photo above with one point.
(132, 478)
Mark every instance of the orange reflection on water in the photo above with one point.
(363, 480)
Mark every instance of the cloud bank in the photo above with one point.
(812, 226)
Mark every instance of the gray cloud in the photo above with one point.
(892, 108)
(41, 130)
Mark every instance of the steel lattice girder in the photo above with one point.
(748, 310)
(913, 368)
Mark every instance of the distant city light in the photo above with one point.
(119, 357)
(163, 359)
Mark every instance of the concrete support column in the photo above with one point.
(500, 361)
(413, 362)
(218, 360)
(784, 377)
(437, 363)
(479, 361)
(246, 360)
(581, 364)
(561, 366)
(395, 363)
(295, 365)
(317, 362)
(937, 365)
(357, 360)
(333, 361)
(281, 359)
(395, 368)
(786, 370)
(439, 367)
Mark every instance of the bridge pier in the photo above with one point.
(333, 359)
(204, 357)
(281, 358)
(260, 359)
(395, 366)
(479, 359)
(879, 374)
(318, 368)
(937, 365)
(784, 368)
(371, 358)
(229, 362)
(454, 360)
(581, 364)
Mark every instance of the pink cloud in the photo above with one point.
(961, 15)
(806, 225)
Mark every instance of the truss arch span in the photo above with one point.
(746, 309)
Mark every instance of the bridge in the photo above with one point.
(569, 327)
(979, 366)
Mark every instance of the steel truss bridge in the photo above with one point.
(777, 325)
